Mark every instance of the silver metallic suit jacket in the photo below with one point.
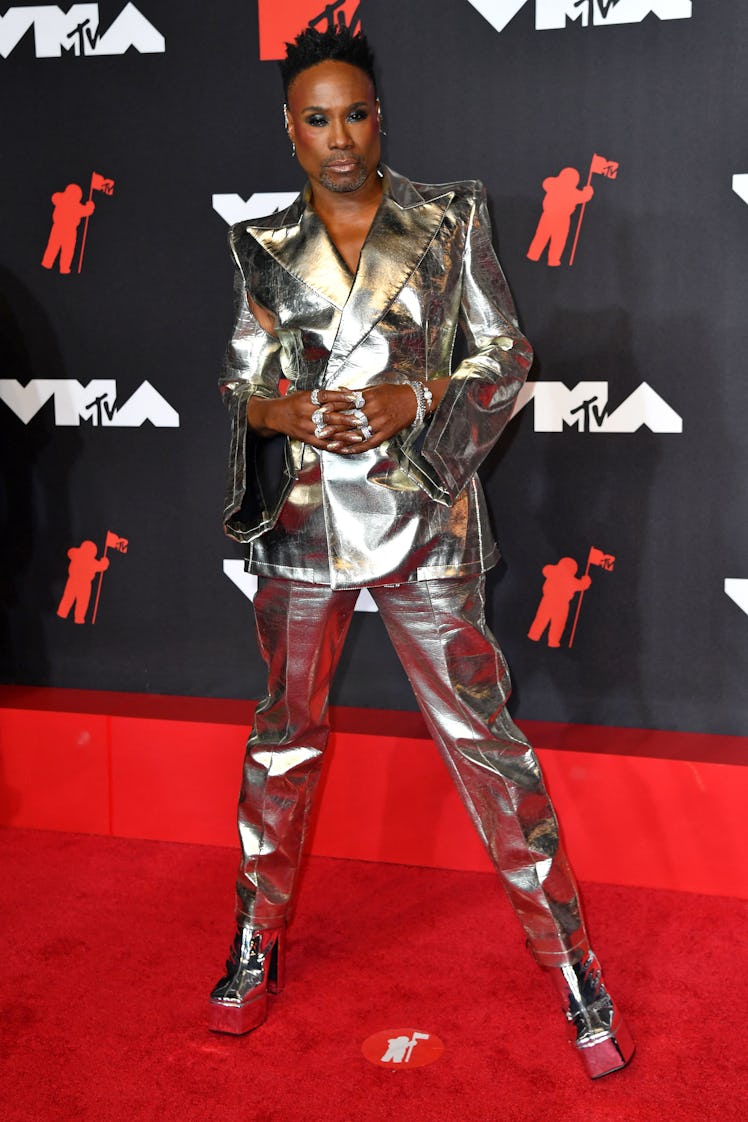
(413, 508)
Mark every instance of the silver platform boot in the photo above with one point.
(239, 1001)
(596, 1028)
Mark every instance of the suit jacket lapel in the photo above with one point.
(401, 232)
(299, 242)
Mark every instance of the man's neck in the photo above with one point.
(337, 208)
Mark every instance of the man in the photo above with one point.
(363, 474)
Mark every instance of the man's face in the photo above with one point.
(332, 119)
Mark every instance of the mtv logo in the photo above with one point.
(585, 408)
(553, 14)
(280, 23)
(94, 403)
(77, 31)
(233, 208)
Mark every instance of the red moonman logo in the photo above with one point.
(560, 587)
(562, 197)
(281, 23)
(66, 217)
(84, 566)
(398, 1049)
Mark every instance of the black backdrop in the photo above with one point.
(656, 296)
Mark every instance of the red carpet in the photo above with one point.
(111, 946)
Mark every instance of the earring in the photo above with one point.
(382, 131)
(285, 121)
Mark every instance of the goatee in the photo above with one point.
(342, 183)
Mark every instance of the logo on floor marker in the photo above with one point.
(402, 1048)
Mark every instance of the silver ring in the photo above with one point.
(359, 417)
(318, 416)
(366, 432)
(359, 401)
(315, 396)
(319, 430)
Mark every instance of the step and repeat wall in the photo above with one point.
(611, 137)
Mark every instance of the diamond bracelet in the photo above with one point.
(424, 398)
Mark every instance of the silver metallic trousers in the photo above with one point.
(461, 682)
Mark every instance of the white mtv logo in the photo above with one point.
(551, 14)
(247, 583)
(585, 407)
(95, 403)
(77, 31)
(233, 208)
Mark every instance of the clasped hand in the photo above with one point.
(341, 420)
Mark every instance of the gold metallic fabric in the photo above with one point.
(411, 509)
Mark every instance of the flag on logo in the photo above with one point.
(113, 542)
(601, 166)
(99, 183)
(604, 560)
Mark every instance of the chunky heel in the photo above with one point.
(239, 1002)
(609, 1053)
(596, 1028)
(277, 969)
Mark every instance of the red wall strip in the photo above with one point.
(662, 813)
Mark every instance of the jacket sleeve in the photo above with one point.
(251, 366)
(480, 398)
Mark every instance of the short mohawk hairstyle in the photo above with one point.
(337, 44)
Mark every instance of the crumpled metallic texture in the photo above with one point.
(411, 509)
(462, 684)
